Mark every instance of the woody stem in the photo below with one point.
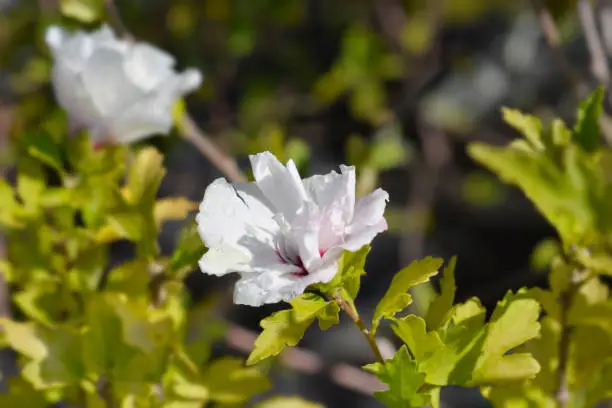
(351, 313)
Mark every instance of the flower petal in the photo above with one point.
(147, 67)
(334, 190)
(281, 185)
(368, 220)
(72, 96)
(107, 83)
(235, 222)
(273, 287)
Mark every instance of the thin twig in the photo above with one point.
(117, 21)
(392, 20)
(348, 310)
(553, 39)
(223, 162)
(188, 128)
(599, 64)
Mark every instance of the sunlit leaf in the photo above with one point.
(86, 11)
(513, 323)
(279, 331)
(228, 381)
(172, 209)
(397, 297)
(404, 381)
(287, 402)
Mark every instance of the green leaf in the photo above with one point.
(145, 175)
(590, 347)
(441, 306)
(404, 381)
(350, 270)
(228, 381)
(529, 126)
(599, 389)
(42, 147)
(307, 306)
(514, 322)
(21, 393)
(85, 11)
(397, 299)
(565, 192)
(88, 267)
(329, 316)
(53, 355)
(9, 207)
(279, 331)
(462, 337)
(287, 402)
(188, 250)
(40, 303)
(310, 305)
(131, 278)
(127, 224)
(586, 130)
(411, 329)
(172, 209)
(124, 338)
(31, 183)
(519, 397)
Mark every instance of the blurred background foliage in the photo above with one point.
(394, 87)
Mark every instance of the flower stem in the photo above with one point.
(351, 313)
(222, 161)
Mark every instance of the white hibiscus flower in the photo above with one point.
(121, 91)
(282, 233)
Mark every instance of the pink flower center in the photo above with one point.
(298, 262)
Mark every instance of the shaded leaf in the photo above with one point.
(43, 147)
(442, 305)
(586, 130)
(228, 381)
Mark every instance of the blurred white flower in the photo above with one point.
(282, 233)
(121, 91)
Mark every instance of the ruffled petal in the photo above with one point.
(368, 220)
(281, 185)
(237, 226)
(273, 287)
(333, 190)
(71, 50)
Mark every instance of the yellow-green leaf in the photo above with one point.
(86, 11)
(397, 297)
(441, 306)
(172, 209)
(287, 402)
(279, 331)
